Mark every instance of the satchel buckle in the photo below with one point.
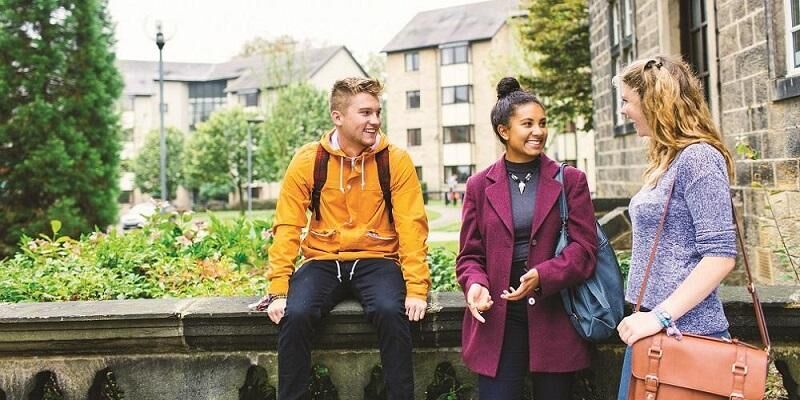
(654, 353)
(736, 396)
(739, 369)
(651, 383)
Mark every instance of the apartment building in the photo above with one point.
(192, 91)
(441, 69)
(747, 54)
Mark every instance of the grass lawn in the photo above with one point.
(432, 215)
(451, 245)
(231, 215)
(452, 227)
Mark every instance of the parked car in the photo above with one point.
(138, 215)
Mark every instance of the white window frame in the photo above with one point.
(791, 69)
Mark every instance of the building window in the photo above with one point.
(418, 170)
(621, 13)
(412, 99)
(414, 137)
(249, 99)
(456, 94)
(412, 61)
(204, 98)
(462, 172)
(457, 134)
(793, 37)
(455, 54)
(694, 41)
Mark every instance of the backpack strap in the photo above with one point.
(384, 176)
(320, 176)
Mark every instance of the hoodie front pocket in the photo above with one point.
(381, 236)
(324, 234)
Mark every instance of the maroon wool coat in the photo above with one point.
(486, 248)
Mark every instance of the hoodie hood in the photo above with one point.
(330, 142)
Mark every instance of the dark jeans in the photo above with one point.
(508, 384)
(625, 378)
(314, 290)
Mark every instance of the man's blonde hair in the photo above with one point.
(672, 102)
(346, 88)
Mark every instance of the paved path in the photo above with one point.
(449, 215)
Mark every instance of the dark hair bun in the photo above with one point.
(506, 86)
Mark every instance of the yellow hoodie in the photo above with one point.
(353, 223)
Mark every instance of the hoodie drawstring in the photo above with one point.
(353, 271)
(339, 270)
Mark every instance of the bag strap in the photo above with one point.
(758, 309)
(562, 199)
(320, 176)
(385, 179)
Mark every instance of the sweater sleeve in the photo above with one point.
(703, 179)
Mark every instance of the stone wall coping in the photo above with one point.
(223, 324)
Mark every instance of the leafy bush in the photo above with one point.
(169, 257)
(442, 263)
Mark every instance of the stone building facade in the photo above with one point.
(747, 54)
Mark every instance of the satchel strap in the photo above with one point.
(758, 309)
(562, 199)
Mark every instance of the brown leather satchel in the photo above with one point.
(699, 367)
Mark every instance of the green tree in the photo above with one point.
(216, 154)
(59, 129)
(147, 164)
(299, 115)
(555, 37)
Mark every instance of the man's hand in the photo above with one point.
(527, 284)
(415, 308)
(276, 310)
(478, 301)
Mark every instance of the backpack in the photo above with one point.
(321, 174)
(596, 306)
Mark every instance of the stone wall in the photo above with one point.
(754, 100)
(214, 348)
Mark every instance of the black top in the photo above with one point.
(523, 179)
(523, 176)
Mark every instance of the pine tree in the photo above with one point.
(59, 130)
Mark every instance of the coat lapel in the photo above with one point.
(498, 195)
(547, 192)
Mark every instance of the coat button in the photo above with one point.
(533, 242)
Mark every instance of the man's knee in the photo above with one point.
(300, 315)
(385, 310)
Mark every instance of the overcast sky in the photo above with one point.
(214, 30)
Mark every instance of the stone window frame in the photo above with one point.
(792, 30)
(622, 38)
(691, 26)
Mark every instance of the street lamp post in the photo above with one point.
(163, 159)
(250, 122)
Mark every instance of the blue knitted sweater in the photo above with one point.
(699, 224)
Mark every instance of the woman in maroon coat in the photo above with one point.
(515, 321)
